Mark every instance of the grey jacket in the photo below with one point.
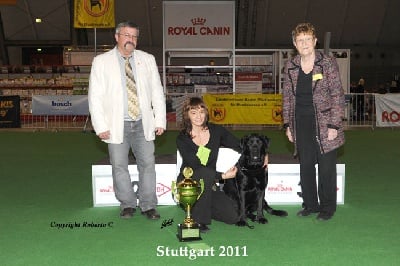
(328, 99)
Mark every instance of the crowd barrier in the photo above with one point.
(360, 112)
(56, 122)
(57, 112)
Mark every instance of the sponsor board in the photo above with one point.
(103, 191)
(283, 184)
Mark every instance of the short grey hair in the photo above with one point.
(124, 24)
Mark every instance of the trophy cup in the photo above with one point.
(187, 192)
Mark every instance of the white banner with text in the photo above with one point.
(60, 105)
(283, 184)
(387, 110)
(199, 25)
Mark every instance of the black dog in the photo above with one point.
(248, 188)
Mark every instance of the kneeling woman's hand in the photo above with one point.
(266, 159)
(231, 173)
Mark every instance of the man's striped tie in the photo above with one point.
(133, 101)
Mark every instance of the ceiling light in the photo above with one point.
(38, 20)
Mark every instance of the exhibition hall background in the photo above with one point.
(48, 215)
(369, 28)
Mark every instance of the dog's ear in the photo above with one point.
(243, 141)
(266, 142)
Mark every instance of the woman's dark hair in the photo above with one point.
(190, 104)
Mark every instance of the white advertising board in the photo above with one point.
(102, 184)
(387, 110)
(283, 184)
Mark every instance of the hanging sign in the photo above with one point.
(199, 25)
(94, 14)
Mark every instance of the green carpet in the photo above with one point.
(45, 181)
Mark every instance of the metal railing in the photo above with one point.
(359, 113)
(56, 122)
(360, 110)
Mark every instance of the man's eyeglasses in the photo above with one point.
(128, 36)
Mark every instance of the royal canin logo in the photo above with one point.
(198, 21)
(199, 27)
(279, 188)
(107, 189)
(162, 189)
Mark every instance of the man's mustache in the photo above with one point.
(131, 43)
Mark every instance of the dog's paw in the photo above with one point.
(241, 223)
(262, 220)
(252, 217)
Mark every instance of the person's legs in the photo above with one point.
(223, 208)
(306, 146)
(201, 211)
(145, 160)
(327, 182)
(121, 178)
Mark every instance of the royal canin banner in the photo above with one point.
(387, 110)
(197, 25)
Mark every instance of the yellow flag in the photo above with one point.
(94, 14)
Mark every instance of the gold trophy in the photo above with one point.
(187, 192)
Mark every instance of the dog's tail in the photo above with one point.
(280, 213)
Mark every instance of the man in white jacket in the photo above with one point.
(108, 106)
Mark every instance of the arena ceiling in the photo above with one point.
(260, 23)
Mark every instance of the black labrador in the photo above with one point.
(248, 188)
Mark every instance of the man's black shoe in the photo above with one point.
(127, 213)
(151, 214)
(324, 216)
(306, 212)
(204, 228)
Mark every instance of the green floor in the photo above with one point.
(45, 181)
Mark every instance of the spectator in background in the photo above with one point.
(394, 88)
(360, 100)
(353, 99)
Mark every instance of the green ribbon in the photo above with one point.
(203, 153)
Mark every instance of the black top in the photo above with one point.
(219, 137)
(304, 96)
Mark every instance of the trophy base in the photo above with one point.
(188, 233)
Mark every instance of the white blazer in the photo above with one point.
(106, 95)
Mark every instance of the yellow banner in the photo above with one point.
(8, 2)
(263, 109)
(94, 14)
